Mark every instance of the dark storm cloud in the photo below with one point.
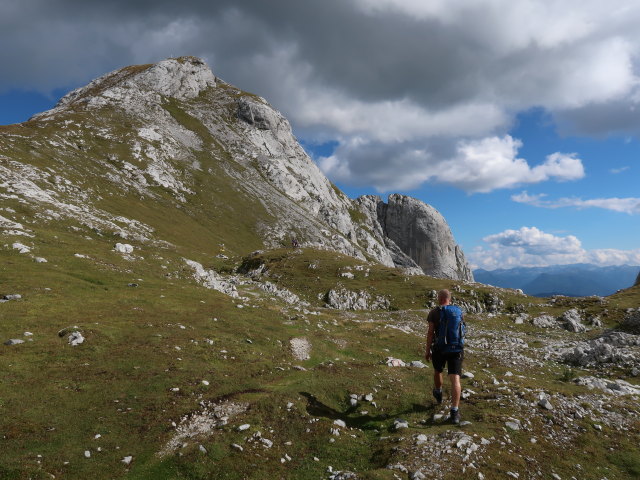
(408, 76)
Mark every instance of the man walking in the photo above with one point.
(445, 346)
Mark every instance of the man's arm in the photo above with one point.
(427, 354)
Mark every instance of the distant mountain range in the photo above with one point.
(575, 280)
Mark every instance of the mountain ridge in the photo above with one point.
(573, 279)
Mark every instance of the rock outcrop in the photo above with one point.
(422, 233)
(637, 280)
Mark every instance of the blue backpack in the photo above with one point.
(451, 330)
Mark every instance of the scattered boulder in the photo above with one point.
(40, 260)
(75, 339)
(14, 341)
(300, 348)
(394, 362)
(612, 387)
(342, 299)
(123, 248)
(611, 348)
(545, 403)
(14, 296)
(21, 248)
(399, 424)
(545, 321)
(417, 364)
(572, 321)
(513, 425)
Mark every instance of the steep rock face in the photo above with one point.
(183, 141)
(422, 233)
(637, 280)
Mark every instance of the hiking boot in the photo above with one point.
(437, 395)
(455, 417)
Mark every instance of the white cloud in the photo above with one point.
(492, 163)
(534, 241)
(630, 205)
(531, 247)
(615, 171)
(472, 165)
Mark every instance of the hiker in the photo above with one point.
(294, 242)
(445, 341)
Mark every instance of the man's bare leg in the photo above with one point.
(455, 389)
(437, 380)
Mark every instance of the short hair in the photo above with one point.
(444, 295)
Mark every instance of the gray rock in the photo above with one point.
(545, 321)
(75, 338)
(422, 233)
(467, 375)
(14, 341)
(399, 424)
(342, 299)
(300, 348)
(545, 403)
(123, 248)
(512, 425)
(572, 321)
(417, 364)
(395, 362)
(14, 296)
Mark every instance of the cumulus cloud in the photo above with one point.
(534, 241)
(491, 163)
(531, 247)
(629, 205)
(471, 165)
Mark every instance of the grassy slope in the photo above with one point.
(55, 398)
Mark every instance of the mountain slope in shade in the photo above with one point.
(571, 280)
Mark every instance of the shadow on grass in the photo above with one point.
(354, 420)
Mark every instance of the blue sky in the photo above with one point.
(518, 121)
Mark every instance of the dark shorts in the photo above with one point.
(453, 361)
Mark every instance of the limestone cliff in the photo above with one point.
(417, 235)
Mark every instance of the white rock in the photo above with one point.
(340, 423)
(513, 425)
(87, 454)
(123, 248)
(75, 338)
(246, 426)
(40, 260)
(127, 460)
(545, 403)
(237, 447)
(202, 449)
(21, 248)
(467, 375)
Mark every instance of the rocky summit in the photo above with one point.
(183, 294)
(172, 134)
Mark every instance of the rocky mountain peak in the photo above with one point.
(173, 129)
(181, 78)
